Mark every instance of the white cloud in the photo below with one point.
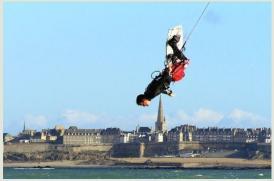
(238, 115)
(74, 117)
(183, 116)
(202, 117)
(36, 121)
(246, 119)
(207, 115)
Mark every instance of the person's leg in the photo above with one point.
(176, 52)
(168, 92)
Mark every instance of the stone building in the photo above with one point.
(28, 132)
(144, 130)
(110, 135)
(181, 133)
(38, 138)
(157, 137)
(201, 135)
(25, 136)
(7, 137)
(50, 135)
(175, 135)
(60, 129)
(264, 135)
(213, 134)
(239, 135)
(75, 136)
(143, 134)
(125, 137)
(268, 139)
(251, 135)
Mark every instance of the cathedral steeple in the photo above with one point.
(160, 124)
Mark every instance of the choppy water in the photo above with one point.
(134, 173)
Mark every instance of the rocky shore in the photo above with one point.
(147, 162)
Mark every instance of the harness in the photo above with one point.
(177, 72)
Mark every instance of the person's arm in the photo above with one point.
(183, 57)
(176, 51)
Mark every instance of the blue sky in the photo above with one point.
(83, 64)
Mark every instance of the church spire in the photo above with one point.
(160, 124)
(160, 117)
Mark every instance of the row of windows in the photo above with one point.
(81, 134)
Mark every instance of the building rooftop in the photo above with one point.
(144, 130)
(82, 131)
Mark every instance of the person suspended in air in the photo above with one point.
(176, 63)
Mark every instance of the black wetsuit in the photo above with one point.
(176, 52)
(158, 85)
(161, 83)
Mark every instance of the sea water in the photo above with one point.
(134, 173)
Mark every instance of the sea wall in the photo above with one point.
(215, 145)
(158, 149)
(128, 150)
(97, 147)
(266, 149)
(44, 147)
(190, 146)
(144, 149)
(174, 148)
(250, 150)
(27, 148)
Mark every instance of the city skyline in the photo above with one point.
(160, 124)
(84, 63)
(140, 126)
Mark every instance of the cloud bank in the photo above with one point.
(246, 119)
(203, 117)
(71, 117)
(36, 121)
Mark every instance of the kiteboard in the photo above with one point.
(176, 30)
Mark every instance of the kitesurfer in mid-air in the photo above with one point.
(174, 71)
(176, 63)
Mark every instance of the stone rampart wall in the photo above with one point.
(229, 146)
(158, 149)
(190, 146)
(215, 145)
(43, 147)
(266, 148)
(134, 149)
(102, 147)
(172, 148)
(26, 148)
(128, 150)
